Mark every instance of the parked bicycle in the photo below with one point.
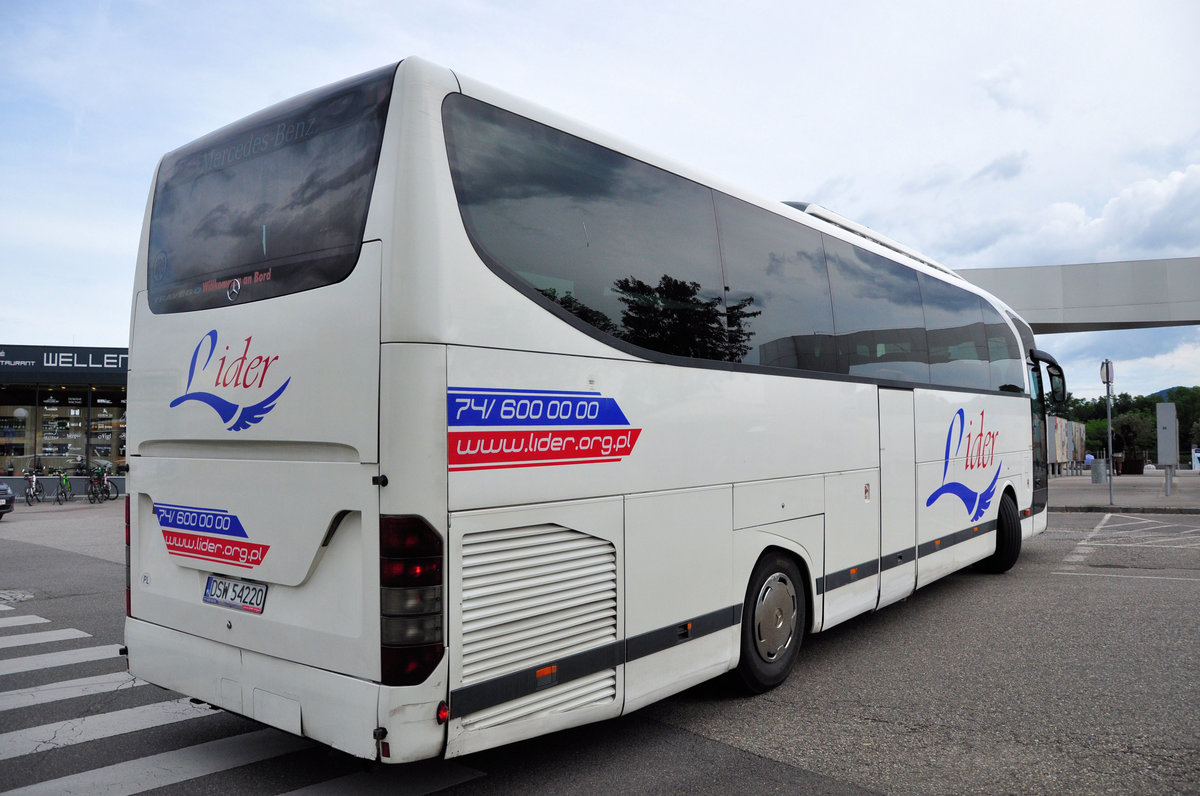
(34, 490)
(64, 493)
(99, 488)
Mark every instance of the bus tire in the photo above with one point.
(1008, 538)
(773, 621)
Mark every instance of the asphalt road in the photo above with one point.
(1078, 671)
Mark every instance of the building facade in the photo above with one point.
(62, 407)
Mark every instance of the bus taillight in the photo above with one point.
(410, 599)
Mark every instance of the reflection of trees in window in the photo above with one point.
(737, 333)
(672, 318)
(582, 311)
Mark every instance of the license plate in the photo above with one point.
(235, 594)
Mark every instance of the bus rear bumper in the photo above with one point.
(331, 708)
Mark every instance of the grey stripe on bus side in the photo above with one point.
(480, 696)
(844, 577)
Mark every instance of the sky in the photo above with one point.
(982, 134)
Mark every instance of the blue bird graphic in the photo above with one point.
(976, 502)
(247, 416)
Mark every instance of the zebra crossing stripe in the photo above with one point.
(169, 768)
(68, 689)
(51, 659)
(15, 621)
(102, 725)
(427, 776)
(45, 637)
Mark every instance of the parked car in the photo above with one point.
(7, 498)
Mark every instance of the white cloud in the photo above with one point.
(1146, 360)
(1152, 218)
(1005, 85)
(1005, 167)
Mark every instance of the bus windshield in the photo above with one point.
(276, 203)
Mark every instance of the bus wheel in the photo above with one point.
(772, 623)
(1008, 539)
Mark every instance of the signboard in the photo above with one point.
(1168, 435)
(31, 364)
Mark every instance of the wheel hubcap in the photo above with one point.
(775, 617)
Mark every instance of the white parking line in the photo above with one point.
(1128, 577)
(67, 689)
(1079, 554)
(45, 637)
(169, 768)
(103, 725)
(15, 621)
(51, 659)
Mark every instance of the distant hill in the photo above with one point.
(1162, 394)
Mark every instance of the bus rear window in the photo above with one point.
(271, 205)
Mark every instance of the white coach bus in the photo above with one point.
(453, 422)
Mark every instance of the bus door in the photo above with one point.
(1037, 395)
(897, 498)
(1041, 453)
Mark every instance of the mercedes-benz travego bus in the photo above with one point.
(453, 422)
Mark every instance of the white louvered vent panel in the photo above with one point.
(534, 594)
(598, 689)
(499, 663)
(532, 587)
(525, 629)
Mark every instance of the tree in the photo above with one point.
(1081, 410)
(1136, 432)
(1096, 437)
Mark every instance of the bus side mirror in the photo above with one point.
(1058, 384)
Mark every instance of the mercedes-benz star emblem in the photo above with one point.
(235, 287)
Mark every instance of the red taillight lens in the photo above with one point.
(410, 665)
(402, 572)
(410, 604)
(405, 537)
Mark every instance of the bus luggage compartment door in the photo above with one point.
(537, 622)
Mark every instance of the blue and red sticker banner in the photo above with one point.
(208, 535)
(494, 428)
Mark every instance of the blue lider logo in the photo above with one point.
(979, 458)
(243, 372)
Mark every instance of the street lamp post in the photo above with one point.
(1106, 376)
